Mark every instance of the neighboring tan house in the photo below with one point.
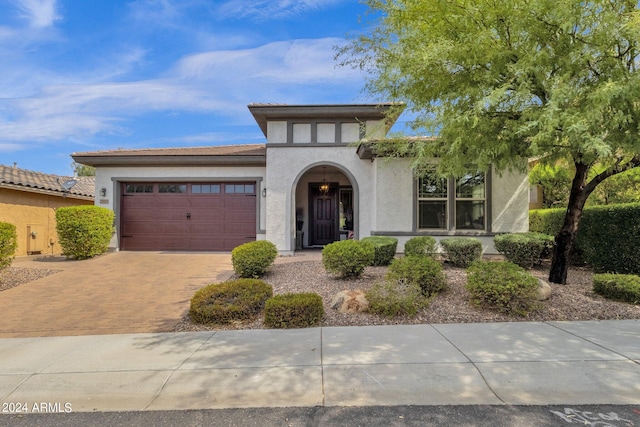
(312, 183)
(29, 200)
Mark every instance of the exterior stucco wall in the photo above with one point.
(24, 209)
(510, 202)
(285, 169)
(111, 177)
(393, 195)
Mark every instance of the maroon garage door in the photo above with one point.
(215, 216)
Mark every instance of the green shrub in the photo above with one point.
(392, 298)
(347, 258)
(502, 286)
(607, 236)
(84, 231)
(524, 249)
(421, 245)
(422, 271)
(293, 311)
(620, 287)
(8, 244)
(251, 260)
(222, 303)
(462, 251)
(384, 249)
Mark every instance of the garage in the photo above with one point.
(187, 216)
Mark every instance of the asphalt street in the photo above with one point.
(372, 416)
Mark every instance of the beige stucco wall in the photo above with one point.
(110, 178)
(38, 211)
(510, 202)
(286, 167)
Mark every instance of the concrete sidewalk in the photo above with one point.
(463, 364)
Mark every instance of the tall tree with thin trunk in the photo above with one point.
(500, 81)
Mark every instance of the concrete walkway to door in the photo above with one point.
(116, 293)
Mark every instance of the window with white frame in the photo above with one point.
(451, 203)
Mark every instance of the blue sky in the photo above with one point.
(85, 75)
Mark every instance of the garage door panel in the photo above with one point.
(206, 222)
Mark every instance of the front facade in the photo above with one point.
(312, 183)
(29, 201)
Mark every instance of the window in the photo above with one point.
(470, 198)
(172, 188)
(139, 188)
(239, 188)
(451, 203)
(205, 188)
(432, 201)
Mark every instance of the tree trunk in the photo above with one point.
(567, 234)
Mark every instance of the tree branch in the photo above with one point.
(613, 170)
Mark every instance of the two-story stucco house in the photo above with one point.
(309, 185)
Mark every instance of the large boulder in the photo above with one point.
(353, 301)
(544, 290)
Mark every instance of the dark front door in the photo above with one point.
(324, 214)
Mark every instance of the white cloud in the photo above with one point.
(270, 9)
(279, 63)
(217, 82)
(39, 13)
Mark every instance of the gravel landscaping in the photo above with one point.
(304, 273)
(11, 277)
(574, 301)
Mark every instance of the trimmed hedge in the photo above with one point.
(251, 260)
(347, 258)
(607, 237)
(462, 251)
(384, 249)
(421, 246)
(620, 287)
(293, 311)
(524, 249)
(421, 271)
(84, 231)
(502, 286)
(8, 244)
(222, 303)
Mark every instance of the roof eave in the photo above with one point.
(159, 160)
(262, 113)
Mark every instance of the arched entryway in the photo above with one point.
(325, 200)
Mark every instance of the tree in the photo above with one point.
(83, 170)
(503, 80)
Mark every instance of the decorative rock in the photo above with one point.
(544, 290)
(350, 301)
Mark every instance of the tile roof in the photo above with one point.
(16, 177)
(218, 150)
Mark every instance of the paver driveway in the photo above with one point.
(122, 292)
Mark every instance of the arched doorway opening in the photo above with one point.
(325, 206)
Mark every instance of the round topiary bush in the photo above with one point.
(347, 258)
(619, 287)
(8, 244)
(422, 271)
(293, 311)
(462, 251)
(384, 249)
(84, 231)
(421, 246)
(502, 286)
(222, 303)
(524, 249)
(251, 260)
(392, 298)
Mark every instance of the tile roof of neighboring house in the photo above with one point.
(241, 153)
(15, 178)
